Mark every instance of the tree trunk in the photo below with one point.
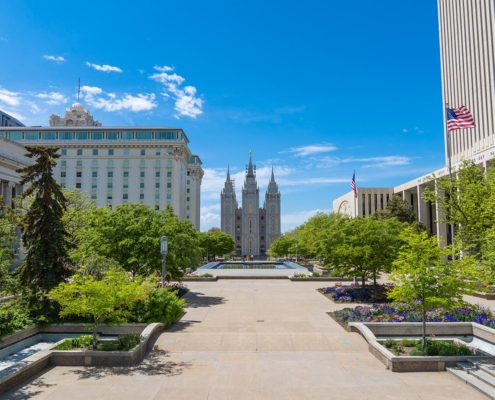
(95, 329)
(363, 281)
(424, 328)
(374, 279)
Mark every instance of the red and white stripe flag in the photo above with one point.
(459, 118)
(353, 185)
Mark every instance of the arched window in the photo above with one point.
(250, 246)
(238, 229)
(250, 225)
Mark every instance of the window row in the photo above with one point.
(94, 135)
(125, 185)
(111, 152)
(111, 164)
(94, 174)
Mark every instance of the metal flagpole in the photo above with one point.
(355, 197)
(449, 146)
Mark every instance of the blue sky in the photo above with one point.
(316, 89)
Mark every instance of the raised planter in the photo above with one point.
(368, 330)
(487, 296)
(199, 279)
(321, 279)
(44, 358)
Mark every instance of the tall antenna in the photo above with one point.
(78, 89)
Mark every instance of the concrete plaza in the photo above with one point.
(249, 339)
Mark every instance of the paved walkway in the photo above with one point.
(250, 339)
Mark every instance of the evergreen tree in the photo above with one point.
(398, 208)
(43, 232)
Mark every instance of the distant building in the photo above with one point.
(369, 201)
(252, 227)
(76, 115)
(11, 158)
(152, 165)
(9, 120)
(468, 68)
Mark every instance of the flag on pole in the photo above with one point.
(353, 185)
(459, 118)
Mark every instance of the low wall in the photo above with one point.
(487, 296)
(324, 279)
(198, 279)
(368, 330)
(44, 358)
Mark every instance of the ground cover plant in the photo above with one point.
(357, 294)
(406, 313)
(85, 342)
(413, 347)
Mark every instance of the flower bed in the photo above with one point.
(356, 294)
(484, 288)
(414, 348)
(179, 288)
(403, 313)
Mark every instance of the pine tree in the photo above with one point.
(43, 232)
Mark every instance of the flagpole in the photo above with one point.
(449, 145)
(355, 197)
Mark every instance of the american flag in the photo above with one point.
(353, 184)
(459, 118)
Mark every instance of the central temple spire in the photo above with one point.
(251, 170)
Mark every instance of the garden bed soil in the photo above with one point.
(375, 300)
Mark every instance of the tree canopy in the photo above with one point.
(130, 234)
(43, 231)
(216, 243)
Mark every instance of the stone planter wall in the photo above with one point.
(368, 330)
(487, 296)
(322, 279)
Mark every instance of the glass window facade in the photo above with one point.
(15, 135)
(143, 152)
(110, 152)
(169, 174)
(127, 135)
(158, 152)
(141, 196)
(126, 185)
(79, 163)
(157, 174)
(126, 174)
(94, 185)
(78, 185)
(169, 185)
(110, 174)
(125, 196)
(142, 164)
(157, 163)
(170, 135)
(112, 135)
(126, 152)
(32, 135)
(96, 135)
(141, 174)
(94, 164)
(49, 135)
(144, 135)
(94, 174)
(110, 185)
(63, 174)
(157, 196)
(126, 163)
(78, 174)
(141, 185)
(95, 152)
(79, 152)
(64, 152)
(63, 163)
(169, 196)
(110, 163)
(82, 135)
(66, 135)
(157, 185)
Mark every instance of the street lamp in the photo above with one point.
(163, 251)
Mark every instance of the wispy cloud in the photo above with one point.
(52, 98)
(104, 67)
(186, 102)
(9, 98)
(57, 59)
(310, 149)
(97, 98)
(290, 221)
(3, 39)
(379, 162)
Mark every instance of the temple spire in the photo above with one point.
(228, 174)
(272, 180)
(250, 171)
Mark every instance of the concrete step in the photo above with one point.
(472, 381)
(484, 366)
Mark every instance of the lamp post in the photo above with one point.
(296, 251)
(163, 251)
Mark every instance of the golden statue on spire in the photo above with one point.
(250, 152)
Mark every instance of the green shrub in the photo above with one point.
(108, 346)
(162, 305)
(76, 343)
(207, 276)
(128, 341)
(315, 275)
(409, 342)
(390, 343)
(416, 353)
(65, 345)
(86, 340)
(12, 320)
(440, 348)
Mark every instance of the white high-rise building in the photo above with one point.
(252, 227)
(152, 165)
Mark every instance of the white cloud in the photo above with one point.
(9, 98)
(165, 68)
(310, 181)
(186, 102)
(104, 68)
(110, 102)
(3, 39)
(387, 161)
(209, 220)
(52, 98)
(405, 130)
(211, 207)
(310, 149)
(57, 59)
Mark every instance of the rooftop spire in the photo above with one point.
(228, 173)
(250, 171)
(273, 176)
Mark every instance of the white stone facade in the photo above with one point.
(252, 227)
(115, 165)
(369, 200)
(11, 158)
(76, 115)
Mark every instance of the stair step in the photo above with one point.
(484, 377)
(481, 387)
(484, 366)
